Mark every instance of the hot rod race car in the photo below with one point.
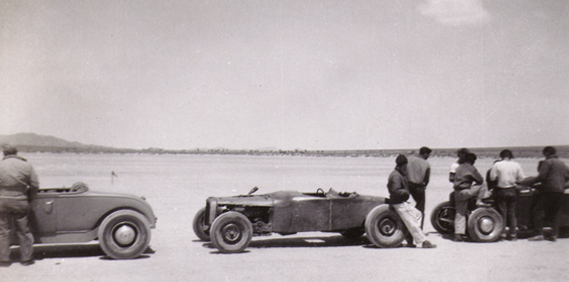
(230, 222)
(120, 222)
(486, 224)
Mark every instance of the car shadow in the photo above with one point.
(301, 242)
(42, 251)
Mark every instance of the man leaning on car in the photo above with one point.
(18, 180)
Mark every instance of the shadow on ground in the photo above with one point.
(303, 242)
(69, 251)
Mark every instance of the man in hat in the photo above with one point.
(398, 196)
(18, 183)
(418, 175)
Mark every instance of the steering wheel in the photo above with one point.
(319, 191)
(79, 187)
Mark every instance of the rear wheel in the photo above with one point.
(231, 232)
(384, 228)
(442, 218)
(124, 234)
(485, 225)
(199, 226)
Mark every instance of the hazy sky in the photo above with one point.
(311, 75)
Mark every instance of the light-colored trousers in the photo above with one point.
(411, 217)
(461, 198)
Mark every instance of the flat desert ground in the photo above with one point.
(177, 185)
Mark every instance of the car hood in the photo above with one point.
(258, 200)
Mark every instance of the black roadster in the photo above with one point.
(486, 224)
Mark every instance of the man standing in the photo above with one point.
(466, 175)
(507, 173)
(18, 182)
(553, 174)
(398, 196)
(418, 174)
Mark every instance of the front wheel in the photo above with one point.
(231, 232)
(442, 218)
(485, 225)
(124, 234)
(384, 227)
(199, 226)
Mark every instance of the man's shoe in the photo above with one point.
(428, 245)
(552, 238)
(5, 263)
(458, 238)
(27, 262)
(536, 238)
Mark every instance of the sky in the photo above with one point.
(314, 75)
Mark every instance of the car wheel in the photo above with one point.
(124, 234)
(485, 225)
(384, 228)
(231, 232)
(442, 218)
(353, 233)
(199, 226)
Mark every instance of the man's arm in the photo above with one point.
(427, 177)
(478, 179)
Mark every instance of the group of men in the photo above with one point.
(411, 177)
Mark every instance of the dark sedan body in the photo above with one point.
(120, 222)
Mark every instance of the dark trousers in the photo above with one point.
(506, 199)
(417, 191)
(547, 208)
(17, 210)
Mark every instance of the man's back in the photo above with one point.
(553, 173)
(16, 174)
(417, 169)
(507, 173)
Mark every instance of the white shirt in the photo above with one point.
(507, 172)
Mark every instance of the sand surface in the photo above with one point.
(177, 187)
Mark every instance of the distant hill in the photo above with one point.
(31, 142)
(32, 139)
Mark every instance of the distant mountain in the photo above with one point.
(32, 142)
(32, 139)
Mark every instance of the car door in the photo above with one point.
(350, 212)
(43, 218)
(310, 213)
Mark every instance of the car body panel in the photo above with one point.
(289, 212)
(60, 215)
(528, 197)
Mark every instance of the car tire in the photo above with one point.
(199, 226)
(353, 233)
(384, 227)
(231, 232)
(485, 225)
(442, 218)
(124, 234)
